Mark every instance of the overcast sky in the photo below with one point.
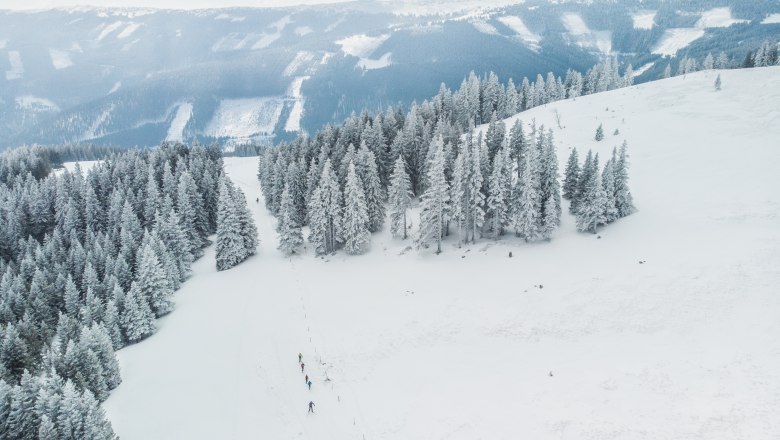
(172, 4)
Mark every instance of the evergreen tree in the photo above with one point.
(590, 212)
(718, 83)
(152, 283)
(572, 175)
(400, 198)
(624, 201)
(356, 220)
(474, 197)
(435, 200)
(608, 182)
(231, 249)
(325, 213)
(498, 200)
(366, 167)
(458, 191)
(526, 220)
(600, 133)
(137, 319)
(290, 237)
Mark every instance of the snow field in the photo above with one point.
(516, 24)
(461, 345)
(17, 67)
(584, 37)
(245, 119)
(60, 59)
(771, 19)
(675, 39)
(183, 115)
(644, 20)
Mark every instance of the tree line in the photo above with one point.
(87, 264)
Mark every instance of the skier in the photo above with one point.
(306, 379)
(302, 365)
(300, 357)
(257, 200)
(309, 383)
(311, 407)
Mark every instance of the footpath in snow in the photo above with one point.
(461, 345)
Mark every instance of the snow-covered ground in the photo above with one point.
(584, 36)
(60, 59)
(675, 39)
(518, 26)
(179, 122)
(718, 17)
(644, 19)
(17, 67)
(571, 339)
(36, 104)
(771, 19)
(245, 119)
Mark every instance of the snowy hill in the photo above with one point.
(572, 339)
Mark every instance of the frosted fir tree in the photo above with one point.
(548, 176)
(434, 202)
(356, 234)
(624, 201)
(368, 173)
(171, 233)
(599, 133)
(499, 193)
(474, 197)
(608, 182)
(137, 319)
(718, 83)
(325, 213)
(526, 221)
(590, 212)
(189, 203)
(152, 283)
(585, 173)
(290, 236)
(458, 192)
(550, 220)
(399, 199)
(571, 176)
(231, 249)
(245, 220)
(709, 62)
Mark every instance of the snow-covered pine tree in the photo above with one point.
(527, 212)
(245, 220)
(325, 212)
(151, 282)
(590, 210)
(584, 176)
(500, 192)
(474, 197)
(599, 133)
(368, 172)
(548, 178)
(400, 198)
(608, 182)
(435, 201)
(356, 234)
(709, 62)
(230, 244)
(137, 319)
(550, 221)
(290, 236)
(624, 201)
(572, 175)
(718, 83)
(458, 191)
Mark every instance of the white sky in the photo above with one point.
(165, 4)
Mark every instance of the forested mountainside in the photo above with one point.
(137, 77)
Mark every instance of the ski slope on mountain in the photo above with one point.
(571, 339)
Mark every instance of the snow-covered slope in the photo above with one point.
(572, 339)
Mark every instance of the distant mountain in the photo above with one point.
(137, 76)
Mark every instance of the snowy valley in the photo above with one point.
(661, 326)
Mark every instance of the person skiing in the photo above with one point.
(306, 379)
(309, 383)
(300, 357)
(311, 406)
(302, 365)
